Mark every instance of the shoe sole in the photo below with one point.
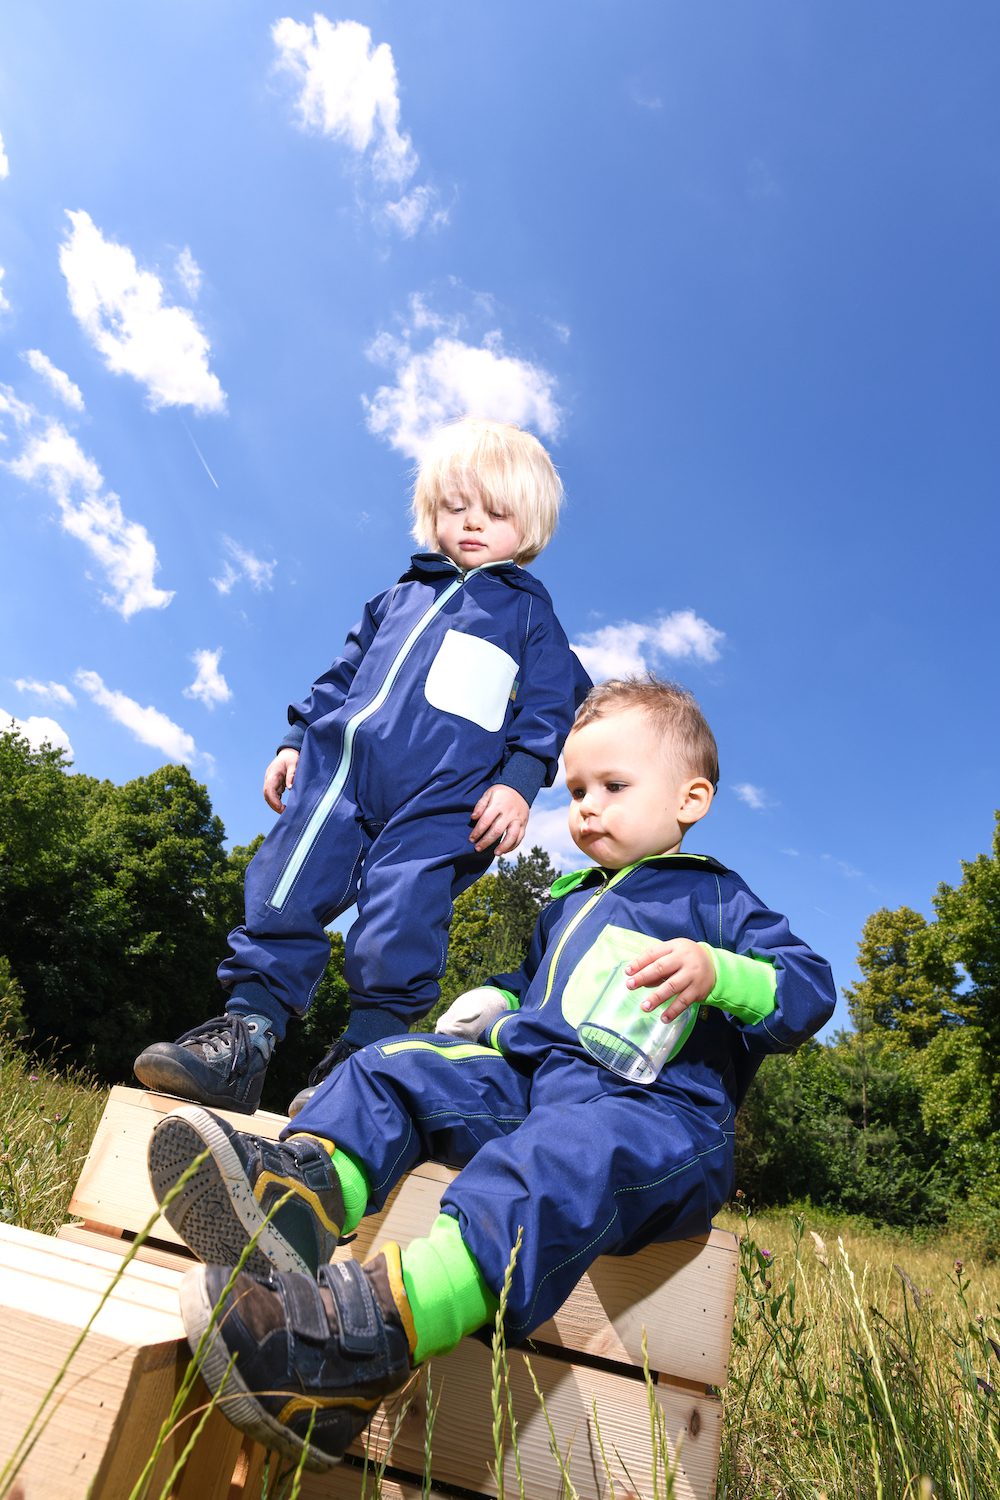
(215, 1213)
(236, 1401)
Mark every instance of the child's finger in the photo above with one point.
(653, 968)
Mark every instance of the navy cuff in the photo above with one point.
(372, 1025)
(248, 998)
(525, 773)
(294, 735)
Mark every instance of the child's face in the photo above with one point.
(470, 532)
(631, 795)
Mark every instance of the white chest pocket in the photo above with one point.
(472, 678)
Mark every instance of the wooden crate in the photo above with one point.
(679, 1294)
(100, 1425)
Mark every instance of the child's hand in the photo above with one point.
(279, 776)
(676, 974)
(500, 814)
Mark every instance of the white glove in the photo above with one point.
(469, 1015)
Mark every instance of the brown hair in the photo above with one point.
(671, 711)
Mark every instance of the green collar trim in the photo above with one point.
(575, 878)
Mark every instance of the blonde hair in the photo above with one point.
(509, 468)
(671, 711)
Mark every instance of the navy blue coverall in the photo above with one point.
(548, 1140)
(451, 682)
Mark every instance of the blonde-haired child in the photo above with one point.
(447, 708)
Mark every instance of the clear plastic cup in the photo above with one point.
(632, 1042)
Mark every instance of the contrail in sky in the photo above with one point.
(200, 454)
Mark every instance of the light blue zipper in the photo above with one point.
(321, 811)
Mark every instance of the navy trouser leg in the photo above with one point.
(395, 952)
(596, 1169)
(582, 1164)
(286, 950)
(414, 1098)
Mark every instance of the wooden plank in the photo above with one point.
(175, 1258)
(119, 1388)
(462, 1444)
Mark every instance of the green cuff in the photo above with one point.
(744, 984)
(513, 1003)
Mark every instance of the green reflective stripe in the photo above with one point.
(495, 1030)
(324, 806)
(413, 1044)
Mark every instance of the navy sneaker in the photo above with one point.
(300, 1352)
(341, 1050)
(284, 1195)
(221, 1063)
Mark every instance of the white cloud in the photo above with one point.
(189, 272)
(4, 301)
(19, 412)
(122, 548)
(348, 90)
(849, 871)
(122, 311)
(409, 213)
(451, 378)
(240, 563)
(209, 686)
(37, 731)
(754, 796)
(632, 647)
(4, 162)
(55, 691)
(67, 390)
(148, 725)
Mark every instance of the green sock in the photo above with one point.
(353, 1185)
(447, 1294)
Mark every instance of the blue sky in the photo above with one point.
(735, 264)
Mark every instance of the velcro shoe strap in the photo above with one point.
(305, 1314)
(361, 1327)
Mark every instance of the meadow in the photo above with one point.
(866, 1364)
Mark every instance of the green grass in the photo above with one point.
(865, 1366)
(47, 1122)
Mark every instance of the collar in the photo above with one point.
(575, 878)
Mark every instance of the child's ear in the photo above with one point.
(696, 799)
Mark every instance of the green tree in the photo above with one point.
(491, 925)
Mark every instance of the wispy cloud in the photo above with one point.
(38, 731)
(189, 272)
(436, 375)
(4, 161)
(755, 797)
(123, 312)
(4, 301)
(239, 563)
(14, 410)
(55, 692)
(124, 550)
(57, 380)
(209, 686)
(349, 92)
(849, 871)
(148, 725)
(633, 647)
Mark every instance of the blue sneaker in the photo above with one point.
(284, 1195)
(220, 1063)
